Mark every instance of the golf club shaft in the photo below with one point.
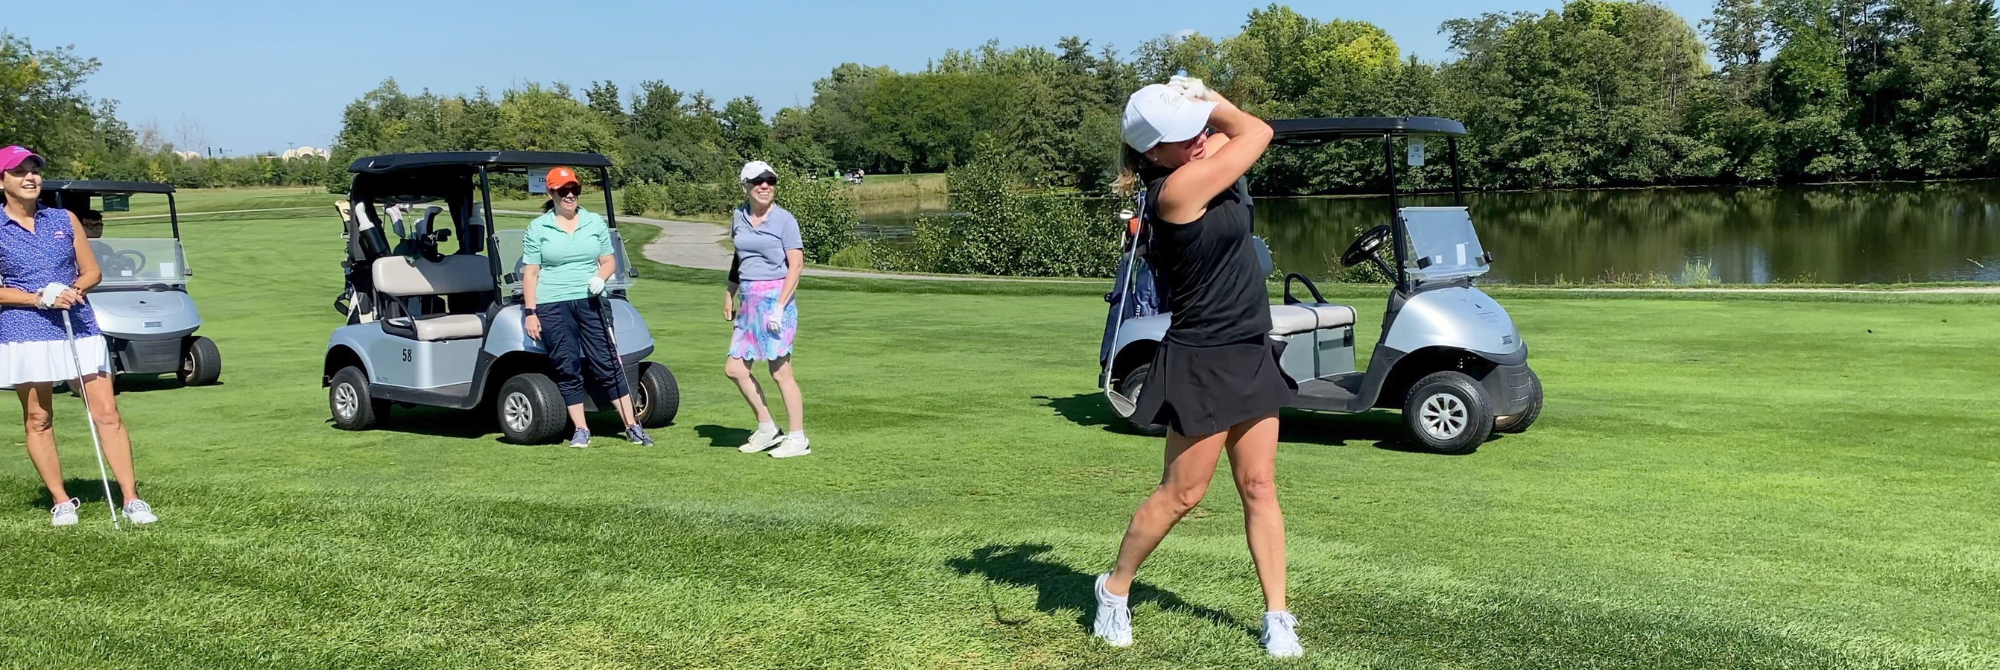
(69, 328)
(611, 332)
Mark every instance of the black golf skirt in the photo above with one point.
(1205, 390)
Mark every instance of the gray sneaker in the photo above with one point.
(65, 513)
(139, 513)
(636, 434)
(581, 439)
(1280, 638)
(1113, 622)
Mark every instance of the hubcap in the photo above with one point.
(517, 413)
(345, 401)
(1443, 416)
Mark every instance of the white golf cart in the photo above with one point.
(142, 304)
(438, 323)
(1449, 356)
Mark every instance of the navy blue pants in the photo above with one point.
(574, 333)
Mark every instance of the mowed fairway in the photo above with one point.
(1714, 484)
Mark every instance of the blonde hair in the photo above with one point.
(1130, 162)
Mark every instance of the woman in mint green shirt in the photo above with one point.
(567, 257)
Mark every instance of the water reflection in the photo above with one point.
(1840, 234)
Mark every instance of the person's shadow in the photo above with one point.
(1060, 587)
(722, 436)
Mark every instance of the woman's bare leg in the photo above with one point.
(97, 390)
(1253, 459)
(753, 393)
(38, 413)
(1190, 464)
(788, 388)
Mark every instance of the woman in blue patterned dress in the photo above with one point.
(46, 268)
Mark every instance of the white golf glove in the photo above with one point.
(52, 292)
(596, 285)
(775, 321)
(1193, 88)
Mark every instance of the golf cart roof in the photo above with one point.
(1315, 131)
(94, 187)
(470, 159)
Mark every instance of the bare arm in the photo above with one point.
(1186, 194)
(795, 264)
(607, 265)
(14, 297)
(532, 324)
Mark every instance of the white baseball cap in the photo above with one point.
(1159, 113)
(754, 168)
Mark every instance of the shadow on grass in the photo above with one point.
(87, 492)
(1060, 587)
(722, 436)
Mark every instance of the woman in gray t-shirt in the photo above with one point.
(769, 258)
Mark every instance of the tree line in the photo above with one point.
(1596, 93)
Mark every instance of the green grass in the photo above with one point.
(1735, 483)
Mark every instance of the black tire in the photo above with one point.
(1448, 412)
(658, 397)
(1519, 423)
(1129, 386)
(201, 362)
(530, 409)
(347, 398)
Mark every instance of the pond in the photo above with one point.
(1892, 232)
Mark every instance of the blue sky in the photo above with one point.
(257, 76)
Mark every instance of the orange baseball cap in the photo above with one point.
(561, 177)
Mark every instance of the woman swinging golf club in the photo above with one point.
(48, 333)
(567, 258)
(769, 257)
(1216, 381)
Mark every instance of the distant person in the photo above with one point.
(566, 258)
(1216, 381)
(48, 268)
(93, 222)
(770, 255)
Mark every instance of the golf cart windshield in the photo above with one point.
(1443, 245)
(140, 261)
(509, 248)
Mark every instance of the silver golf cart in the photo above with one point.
(142, 304)
(1449, 356)
(435, 322)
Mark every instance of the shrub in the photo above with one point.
(638, 199)
(997, 228)
(828, 218)
(854, 256)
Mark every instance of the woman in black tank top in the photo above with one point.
(1215, 380)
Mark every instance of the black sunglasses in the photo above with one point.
(568, 190)
(766, 178)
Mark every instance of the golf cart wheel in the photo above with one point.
(1519, 423)
(658, 398)
(1130, 386)
(348, 398)
(201, 362)
(531, 409)
(1449, 413)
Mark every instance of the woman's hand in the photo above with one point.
(728, 307)
(533, 324)
(775, 321)
(69, 298)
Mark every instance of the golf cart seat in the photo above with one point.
(1308, 317)
(404, 278)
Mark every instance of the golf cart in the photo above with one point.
(1449, 356)
(142, 303)
(435, 322)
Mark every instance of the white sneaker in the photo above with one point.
(1279, 637)
(65, 513)
(764, 438)
(1113, 622)
(139, 513)
(792, 445)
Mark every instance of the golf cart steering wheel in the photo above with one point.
(1363, 248)
(117, 263)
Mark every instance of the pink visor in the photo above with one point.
(12, 157)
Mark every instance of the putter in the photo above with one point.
(69, 328)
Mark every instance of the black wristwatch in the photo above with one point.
(527, 311)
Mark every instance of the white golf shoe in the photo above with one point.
(793, 445)
(764, 438)
(1280, 638)
(1113, 622)
(65, 513)
(139, 513)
